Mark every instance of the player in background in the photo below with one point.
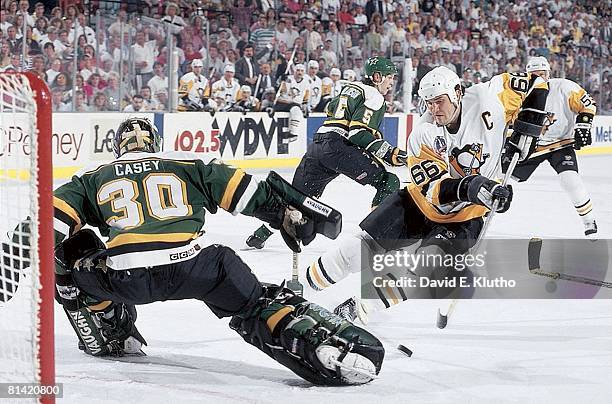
(571, 110)
(350, 142)
(151, 205)
(247, 102)
(226, 90)
(349, 76)
(315, 86)
(193, 89)
(294, 97)
(331, 86)
(453, 156)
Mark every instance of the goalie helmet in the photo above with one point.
(441, 80)
(136, 134)
(537, 63)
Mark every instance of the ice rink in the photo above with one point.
(500, 351)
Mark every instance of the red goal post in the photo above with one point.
(25, 107)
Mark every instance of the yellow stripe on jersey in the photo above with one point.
(344, 122)
(99, 306)
(363, 125)
(576, 104)
(230, 189)
(134, 238)
(391, 296)
(69, 210)
(469, 212)
(314, 274)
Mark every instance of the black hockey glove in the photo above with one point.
(582, 130)
(480, 190)
(387, 153)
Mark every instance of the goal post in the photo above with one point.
(27, 266)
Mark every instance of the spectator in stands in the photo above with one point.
(92, 86)
(113, 91)
(159, 80)
(241, 14)
(5, 54)
(329, 54)
(144, 56)
(176, 22)
(57, 96)
(100, 103)
(137, 104)
(80, 104)
(262, 36)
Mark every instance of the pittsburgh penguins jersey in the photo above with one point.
(195, 87)
(434, 154)
(356, 113)
(565, 101)
(296, 91)
(229, 92)
(330, 88)
(151, 206)
(315, 91)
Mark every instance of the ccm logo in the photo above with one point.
(183, 254)
(317, 207)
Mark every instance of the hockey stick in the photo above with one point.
(294, 284)
(442, 319)
(533, 257)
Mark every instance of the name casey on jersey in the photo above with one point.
(136, 167)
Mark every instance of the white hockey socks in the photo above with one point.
(574, 186)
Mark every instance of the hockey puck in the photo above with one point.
(404, 350)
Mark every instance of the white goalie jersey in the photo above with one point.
(434, 154)
(565, 101)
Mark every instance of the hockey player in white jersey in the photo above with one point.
(294, 98)
(571, 110)
(315, 86)
(453, 155)
(331, 86)
(226, 91)
(193, 89)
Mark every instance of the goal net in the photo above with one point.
(26, 231)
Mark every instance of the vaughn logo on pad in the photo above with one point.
(317, 207)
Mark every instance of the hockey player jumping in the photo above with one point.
(350, 142)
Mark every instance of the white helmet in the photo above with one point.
(335, 72)
(537, 63)
(349, 75)
(441, 80)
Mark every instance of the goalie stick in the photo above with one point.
(294, 284)
(533, 258)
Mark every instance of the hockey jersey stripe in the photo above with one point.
(239, 193)
(230, 189)
(247, 194)
(134, 238)
(69, 211)
(324, 273)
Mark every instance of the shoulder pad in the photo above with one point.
(373, 99)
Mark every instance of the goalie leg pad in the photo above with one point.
(314, 343)
(386, 184)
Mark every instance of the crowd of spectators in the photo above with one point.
(477, 39)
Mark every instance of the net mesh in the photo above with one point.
(19, 265)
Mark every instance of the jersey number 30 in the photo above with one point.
(165, 198)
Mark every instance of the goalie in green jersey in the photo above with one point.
(151, 205)
(350, 142)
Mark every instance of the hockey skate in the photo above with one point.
(258, 239)
(590, 228)
(352, 309)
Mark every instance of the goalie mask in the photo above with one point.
(136, 134)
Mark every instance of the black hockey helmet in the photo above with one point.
(136, 134)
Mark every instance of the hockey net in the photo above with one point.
(26, 231)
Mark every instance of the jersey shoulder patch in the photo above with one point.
(373, 99)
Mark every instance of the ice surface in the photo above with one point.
(491, 352)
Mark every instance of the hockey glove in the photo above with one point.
(582, 131)
(480, 190)
(387, 153)
(296, 228)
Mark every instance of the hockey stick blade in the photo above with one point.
(533, 258)
(442, 320)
